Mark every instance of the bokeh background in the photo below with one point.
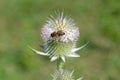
(20, 24)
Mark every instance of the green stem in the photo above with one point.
(60, 64)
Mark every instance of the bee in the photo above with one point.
(57, 34)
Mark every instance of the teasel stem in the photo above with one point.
(60, 64)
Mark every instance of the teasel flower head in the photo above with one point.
(64, 75)
(60, 29)
(59, 35)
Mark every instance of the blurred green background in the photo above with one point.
(20, 24)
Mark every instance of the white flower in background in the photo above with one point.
(59, 35)
(64, 75)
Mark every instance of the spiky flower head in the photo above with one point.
(64, 75)
(60, 24)
(59, 35)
